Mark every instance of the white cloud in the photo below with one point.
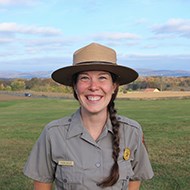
(179, 27)
(47, 45)
(150, 46)
(117, 36)
(156, 61)
(5, 40)
(156, 57)
(15, 28)
(17, 2)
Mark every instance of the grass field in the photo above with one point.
(166, 124)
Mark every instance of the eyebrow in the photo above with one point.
(101, 73)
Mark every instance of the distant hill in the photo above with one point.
(47, 74)
(168, 73)
(25, 75)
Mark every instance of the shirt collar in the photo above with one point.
(108, 125)
(76, 125)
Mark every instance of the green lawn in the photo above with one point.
(166, 124)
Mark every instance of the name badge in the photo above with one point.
(66, 163)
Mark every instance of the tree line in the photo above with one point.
(142, 83)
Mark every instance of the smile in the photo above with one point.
(93, 98)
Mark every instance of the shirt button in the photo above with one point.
(98, 164)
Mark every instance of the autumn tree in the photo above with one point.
(17, 84)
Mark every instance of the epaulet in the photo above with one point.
(59, 122)
(128, 121)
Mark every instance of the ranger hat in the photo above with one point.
(94, 57)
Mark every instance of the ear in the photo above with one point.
(115, 86)
(75, 89)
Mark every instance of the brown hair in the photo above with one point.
(114, 172)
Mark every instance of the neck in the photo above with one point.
(94, 123)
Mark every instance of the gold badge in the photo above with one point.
(126, 154)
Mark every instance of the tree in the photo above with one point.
(18, 84)
(2, 87)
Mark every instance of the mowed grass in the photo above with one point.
(166, 125)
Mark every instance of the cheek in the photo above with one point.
(109, 89)
(80, 88)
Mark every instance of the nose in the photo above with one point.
(93, 85)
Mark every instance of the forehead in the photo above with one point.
(94, 72)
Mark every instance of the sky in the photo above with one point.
(42, 35)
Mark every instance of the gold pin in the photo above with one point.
(126, 154)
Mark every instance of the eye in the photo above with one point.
(103, 77)
(83, 77)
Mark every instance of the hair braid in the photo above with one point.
(114, 173)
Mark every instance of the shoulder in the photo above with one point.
(129, 122)
(56, 128)
(58, 124)
(131, 130)
(63, 125)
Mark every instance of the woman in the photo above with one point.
(94, 148)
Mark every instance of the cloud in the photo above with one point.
(156, 61)
(14, 28)
(177, 27)
(51, 45)
(17, 2)
(136, 61)
(5, 40)
(157, 56)
(116, 36)
(20, 47)
(151, 46)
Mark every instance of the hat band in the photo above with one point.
(95, 62)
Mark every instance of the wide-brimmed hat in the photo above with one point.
(94, 57)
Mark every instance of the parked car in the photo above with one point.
(28, 94)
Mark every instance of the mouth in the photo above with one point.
(93, 98)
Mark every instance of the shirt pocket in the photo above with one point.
(125, 173)
(68, 177)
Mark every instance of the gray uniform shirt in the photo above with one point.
(67, 154)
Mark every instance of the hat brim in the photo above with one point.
(64, 75)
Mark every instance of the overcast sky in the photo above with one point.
(41, 35)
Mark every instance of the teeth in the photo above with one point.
(93, 98)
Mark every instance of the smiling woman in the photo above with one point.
(94, 148)
(94, 90)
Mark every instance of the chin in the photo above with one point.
(96, 111)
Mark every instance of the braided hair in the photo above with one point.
(114, 172)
